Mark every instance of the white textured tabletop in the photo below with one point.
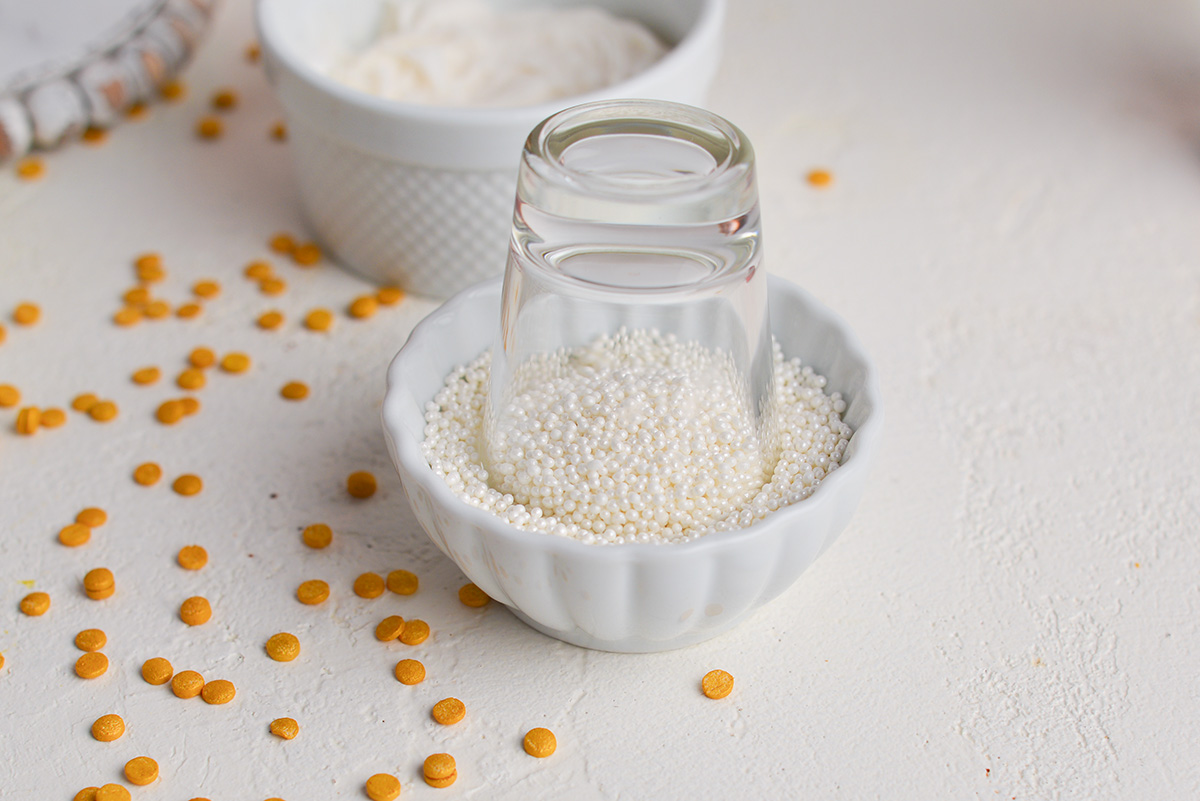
(1013, 229)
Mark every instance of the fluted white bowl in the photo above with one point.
(422, 196)
(631, 598)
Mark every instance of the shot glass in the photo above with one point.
(634, 313)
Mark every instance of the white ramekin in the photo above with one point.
(631, 598)
(422, 196)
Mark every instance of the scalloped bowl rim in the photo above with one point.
(414, 465)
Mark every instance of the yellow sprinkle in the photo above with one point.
(389, 628)
(415, 632)
(187, 311)
(141, 770)
(195, 611)
(389, 295)
(235, 363)
(410, 672)
(74, 535)
(99, 583)
(218, 692)
(35, 604)
(169, 412)
(26, 314)
(369, 585)
(157, 671)
(206, 289)
(92, 517)
(258, 270)
(108, 728)
(91, 665)
(84, 402)
(472, 596)
(94, 136)
(285, 728)
(312, 592)
(363, 307)
(202, 357)
(148, 474)
(282, 243)
(208, 128)
(540, 743)
(187, 484)
(138, 296)
(146, 375)
(173, 90)
(383, 787)
(439, 770)
(30, 168)
(190, 405)
(53, 418)
(28, 420)
(103, 411)
(157, 309)
(9, 396)
(87, 794)
(272, 286)
(149, 267)
(820, 178)
(360, 484)
(279, 132)
(270, 320)
(187, 684)
(294, 390)
(717, 684)
(192, 557)
(319, 320)
(137, 111)
(253, 52)
(318, 535)
(127, 316)
(402, 582)
(191, 378)
(112, 792)
(224, 99)
(307, 254)
(283, 647)
(91, 640)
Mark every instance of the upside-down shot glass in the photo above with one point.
(634, 313)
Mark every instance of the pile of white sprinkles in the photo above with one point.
(636, 437)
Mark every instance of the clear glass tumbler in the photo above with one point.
(634, 318)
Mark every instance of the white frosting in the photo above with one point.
(466, 53)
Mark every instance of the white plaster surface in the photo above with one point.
(1014, 230)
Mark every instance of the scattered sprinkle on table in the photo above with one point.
(74, 535)
(187, 484)
(103, 411)
(209, 127)
(84, 402)
(270, 320)
(540, 743)
(294, 391)
(10, 396)
(169, 412)
(206, 288)
(716, 684)
(306, 254)
(383, 787)
(157, 671)
(157, 309)
(108, 728)
(92, 517)
(820, 178)
(318, 320)
(218, 692)
(35, 604)
(283, 647)
(27, 314)
(415, 632)
(30, 168)
(28, 420)
(361, 484)
(312, 592)
(235, 362)
(146, 375)
(272, 286)
(410, 671)
(363, 307)
(112, 792)
(99, 583)
(192, 557)
(90, 640)
(195, 611)
(472, 596)
(389, 628)
(173, 90)
(318, 536)
(282, 243)
(53, 418)
(389, 295)
(369, 585)
(439, 770)
(403, 582)
(224, 99)
(191, 378)
(285, 728)
(149, 267)
(127, 316)
(187, 684)
(147, 474)
(279, 132)
(202, 357)
(258, 270)
(189, 310)
(141, 770)
(449, 711)
(91, 665)
(94, 136)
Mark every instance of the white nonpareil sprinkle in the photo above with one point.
(634, 438)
